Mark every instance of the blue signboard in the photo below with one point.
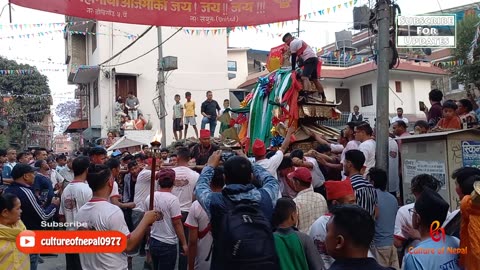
(471, 154)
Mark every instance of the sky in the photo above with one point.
(47, 52)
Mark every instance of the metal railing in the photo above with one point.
(340, 123)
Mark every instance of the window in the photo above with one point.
(398, 86)
(94, 37)
(232, 65)
(232, 76)
(366, 95)
(95, 93)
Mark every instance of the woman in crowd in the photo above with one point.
(10, 227)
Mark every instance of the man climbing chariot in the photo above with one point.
(307, 55)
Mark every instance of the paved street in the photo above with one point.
(58, 263)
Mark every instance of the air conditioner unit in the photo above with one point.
(343, 39)
(361, 17)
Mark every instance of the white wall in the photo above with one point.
(240, 56)
(202, 66)
(414, 88)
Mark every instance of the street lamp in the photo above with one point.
(156, 143)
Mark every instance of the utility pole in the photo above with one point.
(10, 11)
(383, 56)
(161, 87)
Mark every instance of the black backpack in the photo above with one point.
(246, 238)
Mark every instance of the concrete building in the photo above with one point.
(202, 65)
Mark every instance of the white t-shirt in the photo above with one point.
(56, 177)
(114, 192)
(393, 177)
(67, 174)
(168, 204)
(198, 219)
(185, 181)
(351, 145)
(272, 164)
(142, 189)
(100, 215)
(317, 176)
(396, 118)
(404, 217)
(368, 149)
(74, 196)
(296, 44)
(318, 232)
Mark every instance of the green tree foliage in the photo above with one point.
(466, 73)
(30, 98)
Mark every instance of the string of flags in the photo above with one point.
(21, 26)
(34, 60)
(29, 71)
(51, 32)
(259, 29)
(453, 63)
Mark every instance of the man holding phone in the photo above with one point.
(434, 114)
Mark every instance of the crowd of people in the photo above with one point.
(328, 208)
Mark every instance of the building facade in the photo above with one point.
(101, 77)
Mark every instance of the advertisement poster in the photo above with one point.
(435, 168)
(471, 154)
(189, 13)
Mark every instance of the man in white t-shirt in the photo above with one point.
(299, 48)
(74, 196)
(200, 237)
(393, 161)
(115, 198)
(183, 187)
(338, 193)
(399, 117)
(166, 232)
(100, 215)
(299, 160)
(271, 164)
(404, 234)
(363, 134)
(67, 172)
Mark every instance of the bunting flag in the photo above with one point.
(51, 32)
(446, 64)
(215, 31)
(21, 26)
(29, 71)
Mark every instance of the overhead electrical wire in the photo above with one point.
(128, 46)
(142, 55)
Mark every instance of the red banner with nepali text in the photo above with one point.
(188, 13)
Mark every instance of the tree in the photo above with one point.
(468, 72)
(30, 98)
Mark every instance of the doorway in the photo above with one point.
(125, 84)
(343, 94)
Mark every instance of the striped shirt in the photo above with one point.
(365, 193)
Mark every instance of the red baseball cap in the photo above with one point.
(259, 148)
(165, 174)
(302, 174)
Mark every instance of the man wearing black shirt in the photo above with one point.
(350, 232)
(210, 109)
(201, 152)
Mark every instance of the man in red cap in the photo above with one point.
(338, 193)
(205, 149)
(311, 205)
(271, 164)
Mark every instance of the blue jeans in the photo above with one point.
(34, 261)
(212, 121)
(164, 256)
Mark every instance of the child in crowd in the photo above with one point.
(295, 249)
(177, 118)
(190, 115)
(450, 119)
